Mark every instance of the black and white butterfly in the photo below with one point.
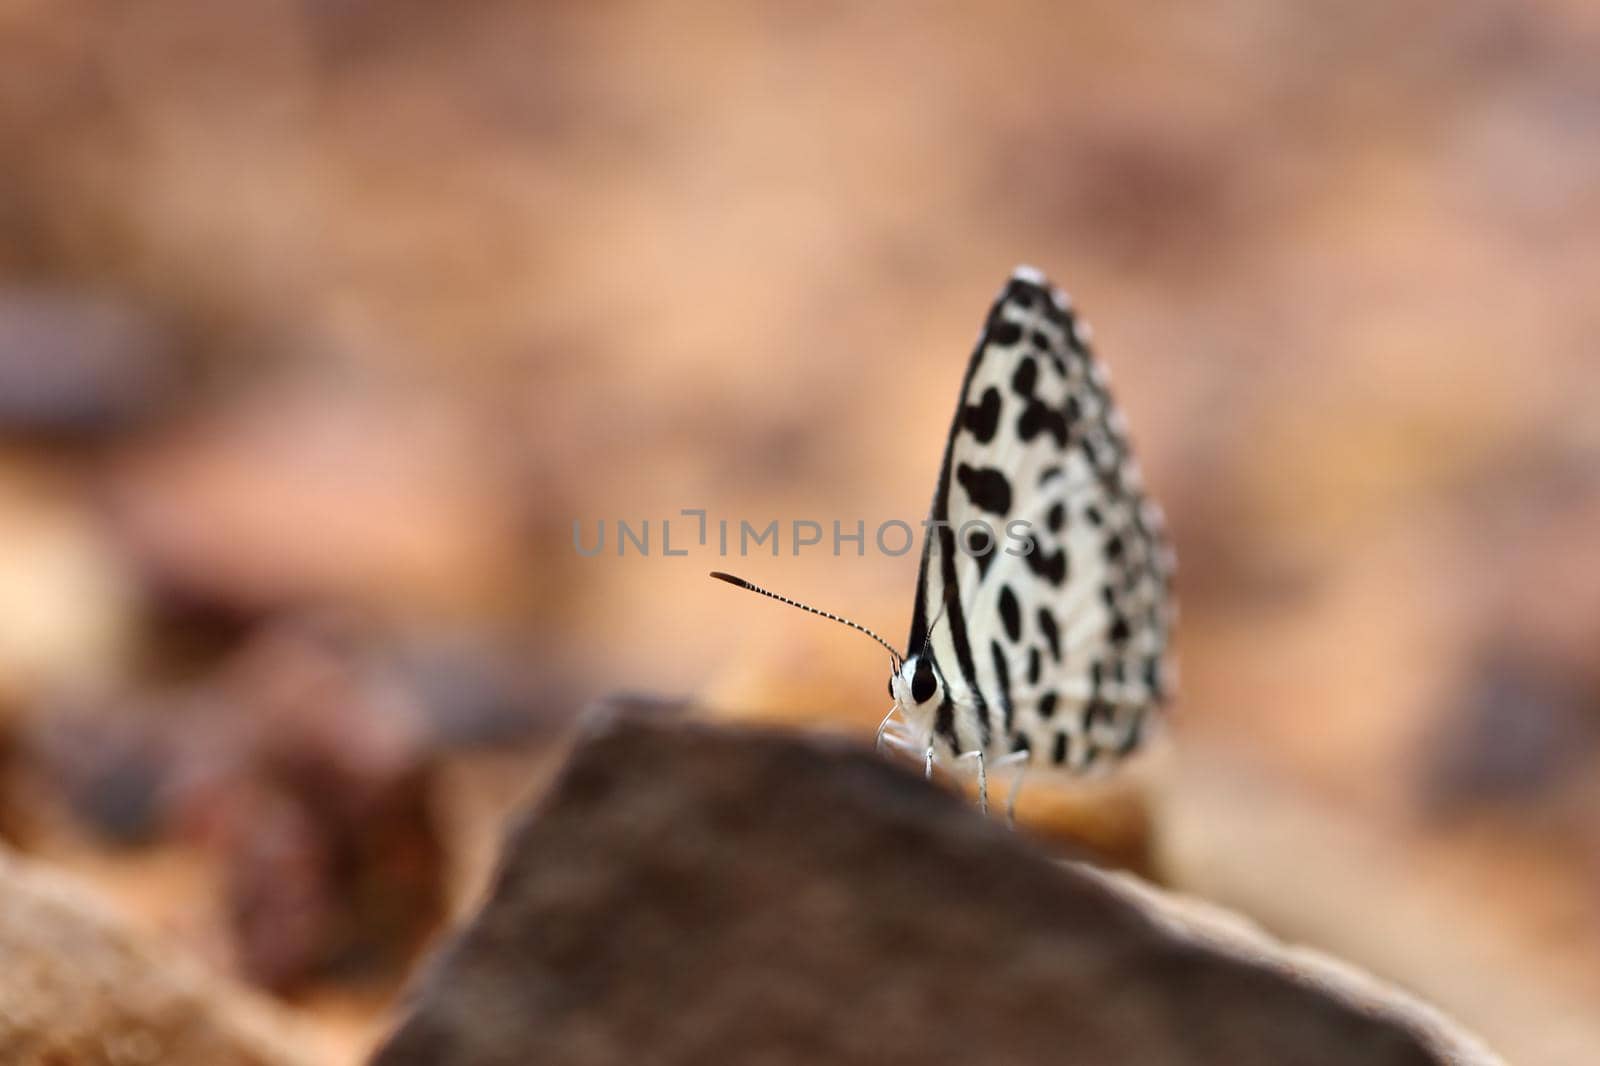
(1044, 604)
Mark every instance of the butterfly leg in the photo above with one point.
(883, 727)
(983, 779)
(1019, 759)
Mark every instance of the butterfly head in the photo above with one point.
(917, 687)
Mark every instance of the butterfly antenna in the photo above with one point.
(742, 583)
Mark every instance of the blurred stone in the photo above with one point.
(74, 365)
(1517, 728)
(476, 693)
(316, 793)
(80, 987)
(689, 893)
(1522, 724)
(305, 766)
(111, 768)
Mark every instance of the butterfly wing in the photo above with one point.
(1046, 566)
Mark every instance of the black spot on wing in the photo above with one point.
(979, 539)
(1047, 625)
(983, 418)
(1104, 455)
(984, 562)
(1023, 293)
(981, 547)
(986, 487)
(1058, 315)
(1034, 665)
(1056, 518)
(1010, 614)
(1152, 678)
(1039, 418)
(1051, 567)
(1003, 331)
(1026, 378)
(1002, 674)
(1135, 734)
(1058, 754)
(1047, 704)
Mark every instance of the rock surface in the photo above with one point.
(76, 986)
(690, 894)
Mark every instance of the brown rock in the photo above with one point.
(76, 986)
(688, 893)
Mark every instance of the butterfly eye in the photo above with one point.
(922, 683)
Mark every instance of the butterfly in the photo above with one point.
(1044, 603)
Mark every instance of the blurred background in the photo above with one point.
(322, 323)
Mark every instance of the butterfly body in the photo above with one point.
(1043, 605)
